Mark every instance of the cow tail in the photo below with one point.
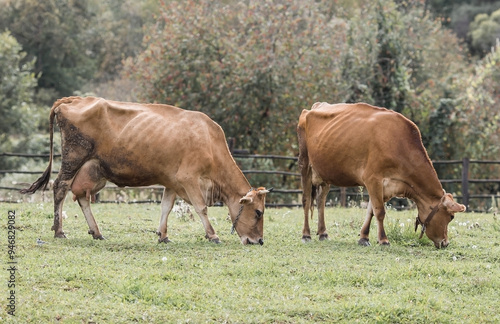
(44, 179)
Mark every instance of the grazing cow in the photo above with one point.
(132, 144)
(362, 145)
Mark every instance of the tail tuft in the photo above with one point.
(40, 183)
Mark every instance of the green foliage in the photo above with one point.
(458, 15)
(484, 31)
(17, 83)
(19, 114)
(75, 42)
(58, 32)
(441, 122)
(391, 84)
(480, 109)
(131, 278)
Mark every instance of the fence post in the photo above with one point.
(465, 182)
(343, 197)
(231, 143)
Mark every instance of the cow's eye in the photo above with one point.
(258, 213)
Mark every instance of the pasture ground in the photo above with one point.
(130, 278)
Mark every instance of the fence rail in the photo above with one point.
(292, 187)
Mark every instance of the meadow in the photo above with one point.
(130, 278)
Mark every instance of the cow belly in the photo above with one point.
(130, 176)
(335, 173)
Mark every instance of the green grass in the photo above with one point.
(130, 278)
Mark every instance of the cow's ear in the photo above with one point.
(451, 205)
(454, 207)
(246, 200)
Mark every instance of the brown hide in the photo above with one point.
(362, 145)
(132, 144)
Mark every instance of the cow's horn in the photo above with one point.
(264, 191)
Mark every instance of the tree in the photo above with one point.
(17, 82)
(480, 109)
(254, 66)
(484, 31)
(75, 42)
(55, 34)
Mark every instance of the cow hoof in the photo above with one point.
(306, 238)
(215, 240)
(60, 235)
(164, 240)
(100, 237)
(323, 237)
(385, 243)
(364, 242)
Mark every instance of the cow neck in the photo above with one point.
(234, 187)
(233, 200)
(424, 188)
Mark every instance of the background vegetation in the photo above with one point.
(131, 278)
(254, 65)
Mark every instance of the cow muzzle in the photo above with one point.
(441, 244)
(246, 241)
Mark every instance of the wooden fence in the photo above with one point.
(282, 173)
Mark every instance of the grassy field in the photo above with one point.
(130, 278)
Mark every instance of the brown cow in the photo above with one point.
(132, 144)
(362, 145)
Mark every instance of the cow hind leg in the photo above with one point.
(87, 182)
(60, 188)
(93, 228)
(307, 203)
(167, 202)
(321, 201)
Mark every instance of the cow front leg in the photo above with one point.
(376, 208)
(380, 215)
(202, 210)
(365, 229)
(167, 202)
(192, 188)
(93, 228)
(321, 201)
(60, 190)
(209, 230)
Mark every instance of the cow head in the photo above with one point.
(249, 223)
(436, 224)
